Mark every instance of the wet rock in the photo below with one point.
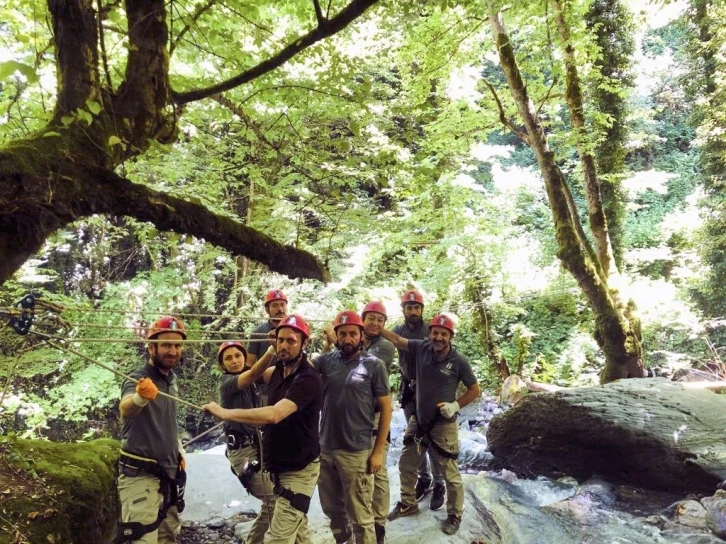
(650, 432)
(656, 520)
(599, 490)
(690, 538)
(514, 389)
(716, 518)
(691, 514)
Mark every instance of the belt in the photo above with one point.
(236, 441)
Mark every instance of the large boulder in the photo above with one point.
(652, 432)
(57, 492)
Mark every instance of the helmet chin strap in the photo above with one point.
(295, 360)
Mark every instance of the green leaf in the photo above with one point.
(354, 127)
(50, 134)
(114, 140)
(84, 116)
(9, 67)
(93, 106)
(67, 120)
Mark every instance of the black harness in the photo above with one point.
(422, 438)
(299, 501)
(171, 489)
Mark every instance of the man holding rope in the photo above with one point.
(291, 442)
(151, 466)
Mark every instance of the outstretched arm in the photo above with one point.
(258, 369)
(254, 416)
(399, 341)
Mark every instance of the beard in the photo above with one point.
(166, 363)
(286, 358)
(440, 345)
(349, 349)
(413, 320)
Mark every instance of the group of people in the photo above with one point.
(292, 423)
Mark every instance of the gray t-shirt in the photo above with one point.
(437, 381)
(383, 350)
(153, 433)
(231, 397)
(350, 390)
(260, 345)
(406, 359)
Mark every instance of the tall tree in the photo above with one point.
(66, 170)
(615, 331)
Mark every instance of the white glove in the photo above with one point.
(449, 409)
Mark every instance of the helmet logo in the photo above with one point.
(344, 318)
(173, 325)
(277, 294)
(442, 321)
(411, 296)
(292, 321)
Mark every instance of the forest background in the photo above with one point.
(396, 152)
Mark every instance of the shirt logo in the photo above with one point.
(344, 318)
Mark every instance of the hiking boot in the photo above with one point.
(423, 486)
(451, 525)
(401, 510)
(380, 533)
(438, 496)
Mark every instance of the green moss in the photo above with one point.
(57, 492)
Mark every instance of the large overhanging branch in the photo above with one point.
(119, 196)
(330, 27)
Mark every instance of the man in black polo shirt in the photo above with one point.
(292, 441)
(354, 382)
(439, 369)
(150, 448)
(415, 328)
(374, 321)
(238, 390)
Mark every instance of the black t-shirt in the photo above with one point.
(294, 442)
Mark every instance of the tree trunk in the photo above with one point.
(613, 332)
(573, 95)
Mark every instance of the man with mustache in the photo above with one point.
(276, 309)
(415, 328)
(374, 320)
(238, 390)
(151, 466)
(439, 368)
(354, 382)
(292, 418)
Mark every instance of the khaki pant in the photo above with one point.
(446, 434)
(425, 469)
(260, 487)
(290, 525)
(346, 494)
(140, 501)
(381, 490)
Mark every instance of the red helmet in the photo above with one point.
(412, 297)
(168, 323)
(273, 295)
(230, 344)
(443, 320)
(347, 317)
(374, 306)
(295, 322)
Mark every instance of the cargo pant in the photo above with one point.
(140, 502)
(446, 434)
(381, 490)
(260, 487)
(346, 494)
(290, 525)
(426, 470)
